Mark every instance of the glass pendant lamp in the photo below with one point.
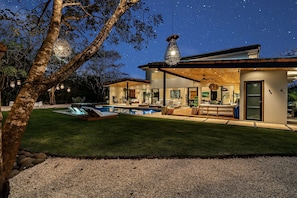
(172, 55)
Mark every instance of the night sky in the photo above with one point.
(212, 25)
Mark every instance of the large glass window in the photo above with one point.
(254, 100)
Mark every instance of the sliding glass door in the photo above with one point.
(254, 100)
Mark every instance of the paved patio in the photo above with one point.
(292, 126)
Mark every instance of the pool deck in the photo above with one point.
(183, 114)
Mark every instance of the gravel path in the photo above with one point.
(63, 177)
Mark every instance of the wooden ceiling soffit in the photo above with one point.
(203, 75)
(124, 84)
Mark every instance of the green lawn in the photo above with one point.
(136, 136)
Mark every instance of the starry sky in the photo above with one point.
(212, 25)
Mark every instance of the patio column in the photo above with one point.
(127, 92)
(164, 88)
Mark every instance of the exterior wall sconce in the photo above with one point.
(172, 55)
(68, 89)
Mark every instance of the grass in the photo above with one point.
(136, 136)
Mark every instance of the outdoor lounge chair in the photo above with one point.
(77, 111)
(176, 104)
(95, 114)
(158, 104)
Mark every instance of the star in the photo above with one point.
(207, 26)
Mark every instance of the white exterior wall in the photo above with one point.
(172, 83)
(275, 103)
(117, 92)
(120, 93)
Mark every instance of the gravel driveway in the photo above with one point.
(253, 177)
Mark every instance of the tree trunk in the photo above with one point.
(16, 123)
(35, 84)
(52, 96)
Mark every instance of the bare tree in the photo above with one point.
(101, 68)
(292, 52)
(67, 20)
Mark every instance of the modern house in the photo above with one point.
(215, 83)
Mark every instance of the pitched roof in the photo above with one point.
(124, 81)
(223, 52)
(239, 63)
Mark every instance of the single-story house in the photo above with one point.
(217, 82)
(128, 90)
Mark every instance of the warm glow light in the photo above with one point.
(68, 89)
(62, 48)
(12, 84)
(292, 72)
(172, 55)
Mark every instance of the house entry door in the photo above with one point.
(192, 94)
(254, 104)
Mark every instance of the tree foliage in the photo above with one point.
(101, 68)
(86, 24)
(292, 52)
(14, 66)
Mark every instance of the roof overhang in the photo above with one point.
(127, 81)
(222, 71)
(248, 50)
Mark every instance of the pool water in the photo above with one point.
(127, 110)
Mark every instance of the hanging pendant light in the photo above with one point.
(172, 55)
(19, 82)
(62, 48)
(12, 84)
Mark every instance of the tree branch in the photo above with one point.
(77, 4)
(89, 51)
(66, 18)
(44, 53)
(42, 13)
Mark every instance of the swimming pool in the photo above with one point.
(128, 110)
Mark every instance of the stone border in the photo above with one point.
(25, 160)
